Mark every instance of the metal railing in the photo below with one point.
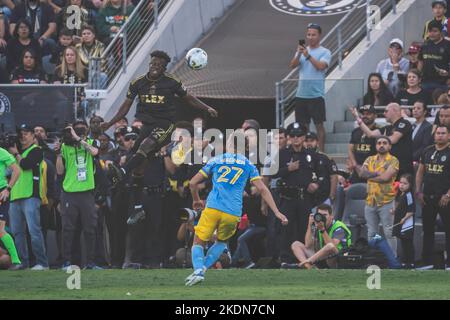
(340, 40)
(145, 15)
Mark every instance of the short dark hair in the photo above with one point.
(315, 26)
(282, 131)
(442, 126)
(325, 207)
(90, 28)
(434, 25)
(96, 117)
(65, 32)
(253, 124)
(385, 138)
(423, 102)
(162, 55)
(39, 126)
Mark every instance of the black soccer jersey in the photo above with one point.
(435, 56)
(156, 98)
(403, 204)
(364, 146)
(436, 179)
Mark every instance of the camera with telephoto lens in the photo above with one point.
(187, 214)
(319, 218)
(67, 138)
(8, 140)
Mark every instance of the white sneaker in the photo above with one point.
(447, 267)
(195, 279)
(427, 267)
(39, 267)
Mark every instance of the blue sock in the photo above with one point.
(198, 257)
(214, 253)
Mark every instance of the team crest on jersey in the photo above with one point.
(5, 104)
(313, 7)
(443, 158)
(401, 125)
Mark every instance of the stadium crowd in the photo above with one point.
(80, 186)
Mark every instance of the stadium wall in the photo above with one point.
(407, 25)
(181, 25)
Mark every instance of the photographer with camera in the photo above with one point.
(325, 238)
(76, 163)
(26, 197)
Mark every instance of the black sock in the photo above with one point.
(137, 191)
(135, 161)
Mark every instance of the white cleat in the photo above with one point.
(197, 278)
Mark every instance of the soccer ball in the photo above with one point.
(197, 59)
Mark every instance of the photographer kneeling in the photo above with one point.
(75, 162)
(330, 237)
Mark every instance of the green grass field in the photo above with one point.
(226, 284)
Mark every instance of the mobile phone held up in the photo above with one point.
(301, 42)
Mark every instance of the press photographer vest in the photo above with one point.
(336, 225)
(76, 161)
(28, 180)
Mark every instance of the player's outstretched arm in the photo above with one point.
(122, 112)
(194, 187)
(196, 103)
(267, 196)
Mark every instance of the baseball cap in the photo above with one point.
(397, 41)
(80, 121)
(315, 26)
(311, 135)
(414, 49)
(441, 2)
(25, 127)
(295, 130)
(368, 108)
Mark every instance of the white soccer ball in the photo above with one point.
(197, 58)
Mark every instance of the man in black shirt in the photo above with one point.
(434, 59)
(301, 177)
(434, 174)
(156, 92)
(361, 146)
(399, 132)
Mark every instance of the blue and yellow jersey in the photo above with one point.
(230, 173)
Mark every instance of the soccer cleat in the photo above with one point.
(196, 278)
(193, 274)
(249, 265)
(116, 174)
(137, 215)
(285, 265)
(447, 267)
(17, 267)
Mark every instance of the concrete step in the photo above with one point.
(337, 138)
(336, 148)
(344, 126)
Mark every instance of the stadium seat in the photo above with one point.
(354, 208)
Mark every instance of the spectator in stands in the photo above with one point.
(66, 13)
(404, 210)
(41, 19)
(3, 27)
(442, 118)
(323, 244)
(137, 124)
(433, 193)
(314, 61)
(20, 41)
(434, 59)
(400, 135)
(395, 67)
(29, 71)
(439, 11)
(414, 91)
(24, 210)
(55, 59)
(421, 134)
(361, 146)
(377, 92)
(121, 123)
(111, 18)
(380, 171)
(72, 71)
(413, 53)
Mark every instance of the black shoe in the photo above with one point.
(408, 266)
(137, 215)
(116, 174)
(17, 267)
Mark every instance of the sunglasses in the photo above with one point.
(130, 138)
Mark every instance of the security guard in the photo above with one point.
(301, 177)
(434, 174)
(327, 190)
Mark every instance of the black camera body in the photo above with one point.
(187, 214)
(319, 218)
(66, 137)
(9, 140)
